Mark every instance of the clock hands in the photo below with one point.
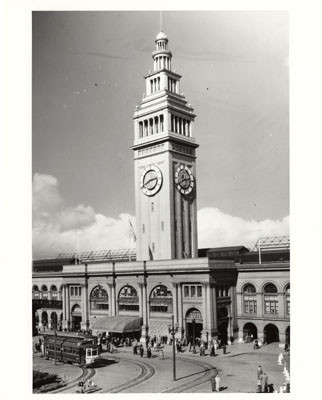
(146, 183)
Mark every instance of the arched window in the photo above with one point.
(35, 292)
(249, 299)
(99, 298)
(161, 299)
(287, 295)
(270, 299)
(128, 299)
(44, 291)
(54, 292)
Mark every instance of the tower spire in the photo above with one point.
(161, 24)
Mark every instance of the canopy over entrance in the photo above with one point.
(117, 324)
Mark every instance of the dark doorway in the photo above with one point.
(194, 324)
(198, 329)
(44, 318)
(54, 320)
(223, 332)
(287, 336)
(222, 325)
(271, 334)
(76, 323)
(249, 332)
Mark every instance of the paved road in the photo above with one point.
(127, 373)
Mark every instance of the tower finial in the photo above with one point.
(161, 27)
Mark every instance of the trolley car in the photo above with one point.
(72, 349)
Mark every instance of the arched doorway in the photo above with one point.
(54, 319)
(249, 332)
(194, 323)
(44, 318)
(287, 336)
(76, 317)
(222, 325)
(271, 334)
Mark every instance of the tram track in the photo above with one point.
(146, 372)
(87, 373)
(209, 372)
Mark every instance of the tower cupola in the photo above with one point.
(161, 56)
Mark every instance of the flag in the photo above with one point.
(132, 231)
(150, 253)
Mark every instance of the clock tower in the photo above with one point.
(165, 165)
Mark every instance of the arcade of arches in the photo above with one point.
(188, 302)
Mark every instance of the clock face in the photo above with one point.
(151, 180)
(184, 180)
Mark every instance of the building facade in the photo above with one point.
(212, 293)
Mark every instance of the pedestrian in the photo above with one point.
(141, 351)
(212, 350)
(259, 386)
(213, 384)
(263, 382)
(259, 372)
(149, 352)
(224, 349)
(217, 380)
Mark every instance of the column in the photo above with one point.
(180, 316)
(85, 322)
(259, 300)
(49, 295)
(214, 332)
(234, 321)
(110, 301)
(114, 302)
(175, 301)
(68, 317)
(144, 301)
(141, 300)
(281, 305)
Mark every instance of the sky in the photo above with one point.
(87, 77)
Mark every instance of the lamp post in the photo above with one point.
(194, 335)
(173, 329)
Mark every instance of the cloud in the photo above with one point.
(216, 229)
(61, 229)
(58, 228)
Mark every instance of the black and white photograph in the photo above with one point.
(159, 210)
(160, 202)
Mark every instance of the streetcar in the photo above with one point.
(78, 350)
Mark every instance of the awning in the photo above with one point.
(117, 324)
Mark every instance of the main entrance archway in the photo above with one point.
(222, 325)
(194, 323)
(271, 334)
(76, 317)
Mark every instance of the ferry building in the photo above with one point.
(228, 293)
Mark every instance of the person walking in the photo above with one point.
(264, 382)
(217, 380)
(141, 351)
(259, 372)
